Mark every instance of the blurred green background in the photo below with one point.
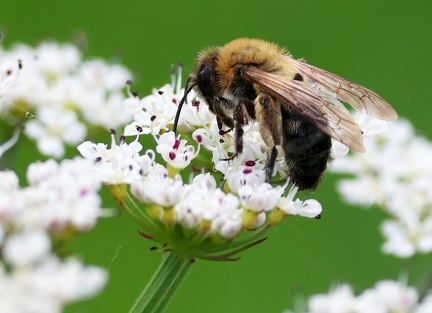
(384, 45)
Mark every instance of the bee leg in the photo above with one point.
(239, 121)
(222, 118)
(272, 154)
(268, 115)
(220, 125)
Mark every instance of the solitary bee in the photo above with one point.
(295, 104)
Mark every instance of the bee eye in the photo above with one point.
(297, 76)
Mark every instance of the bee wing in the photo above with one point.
(360, 98)
(328, 118)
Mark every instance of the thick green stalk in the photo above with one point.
(162, 285)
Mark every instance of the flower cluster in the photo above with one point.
(207, 208)
(385, 297)
(394, 174)
(57, 95)
(61, 199)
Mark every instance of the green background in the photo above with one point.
(384, 45)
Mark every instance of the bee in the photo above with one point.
(295, 104)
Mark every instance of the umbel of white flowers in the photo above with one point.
(204, 216)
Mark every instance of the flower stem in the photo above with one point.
(163, 284)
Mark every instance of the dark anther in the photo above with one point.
(250, 163)
(160, 92)
(112, 131)
(129, 82)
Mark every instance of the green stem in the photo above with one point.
(163, 284)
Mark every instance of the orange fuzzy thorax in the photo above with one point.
(265, 55)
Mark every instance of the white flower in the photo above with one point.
(9, 72)
(30, 246)
(61, 93)
(156, 113)
(340, 300)
(39, 172)
(52, 128)
(425, 306)
(204, 200)
(228, 225)
(9, 181)
(118, 164)
(175, 151)
(60, 195)
(98, 74)
(48, 286)
(259, 198)
(395, 174)
(54, 60)
(385, 297)
(403, 240)
(390, 296)
(310, 208)
(163, 191)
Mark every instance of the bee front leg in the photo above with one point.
(219, 107)
(239, 122)
(268, 115)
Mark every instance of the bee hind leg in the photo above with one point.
(268, 115)
(272, 154)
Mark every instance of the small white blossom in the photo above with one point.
(61, 197)
(202, 201)
(9, 181)
(395, 174)
(259, 198)
(339, 300)
(163, 191)
(385, 297)
(23, 249)
(118, 164)
(60, 93)
(48, 286)
(175, 151)
(425, 306)
(156, 113)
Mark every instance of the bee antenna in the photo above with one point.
(188, 89)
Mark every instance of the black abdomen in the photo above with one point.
(307, 149)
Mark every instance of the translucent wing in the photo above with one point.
(333, 121)
(360, 98)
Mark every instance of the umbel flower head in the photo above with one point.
(58, 96)
(187, 196)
